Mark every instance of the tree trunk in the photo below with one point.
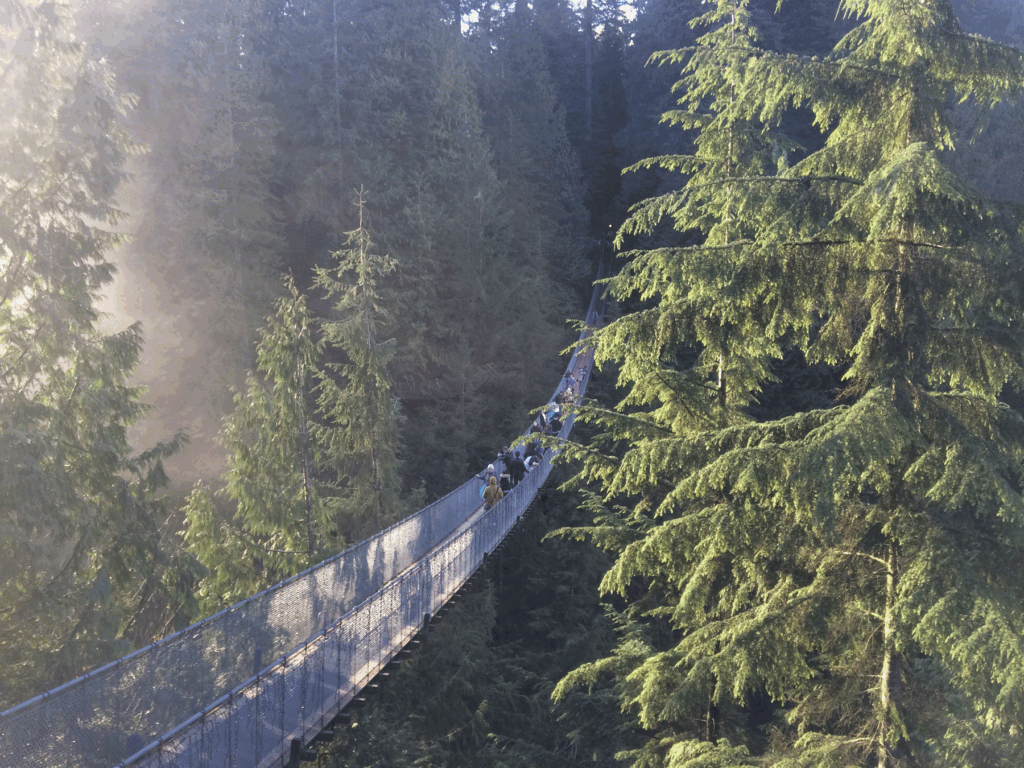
(229, 50)
(337, 113)
(711, 722)
(485, 23)
(588, 86)
(307, 495)
(721, 385)
(889, 688)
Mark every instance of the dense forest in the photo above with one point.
(275, 275)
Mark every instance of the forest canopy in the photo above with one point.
(273, 277)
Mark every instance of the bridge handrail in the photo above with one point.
(111, 713)
(336, 664)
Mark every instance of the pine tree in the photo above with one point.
(85, 576)
(393, 103)
(364, 445)
(227, 167)
(829, 559)
(285, 519)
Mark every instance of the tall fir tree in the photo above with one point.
(284, 518)
(828, 560)
(85, 576)
(365, 440)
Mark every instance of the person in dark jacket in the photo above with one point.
(556, 423)
(503, 463)
(517, 469)
(533, 449)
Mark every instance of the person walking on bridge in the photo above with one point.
(517, 469)
(492, 494)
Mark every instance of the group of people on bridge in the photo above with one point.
(548, 422)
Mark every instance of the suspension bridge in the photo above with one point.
(256, 684)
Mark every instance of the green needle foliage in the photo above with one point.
(364, 444)
(285, 519)
(83, 577)
(301, 486)
(857, 565)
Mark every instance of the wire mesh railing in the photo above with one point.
(236, 688)
(298, 696)
(105, 716)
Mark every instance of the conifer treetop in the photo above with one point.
(827, 558)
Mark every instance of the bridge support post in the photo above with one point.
(341, 720)
(299, 754)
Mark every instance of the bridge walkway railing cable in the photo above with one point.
(244, 686)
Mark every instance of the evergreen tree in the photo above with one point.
(487, 249)
(225, 160)
(84, 577)
(364, 444)
(284, 519)
(828, 560)
(542, 192)
(603, 159)
(329, 49)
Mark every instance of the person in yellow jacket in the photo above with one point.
(492, 493)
